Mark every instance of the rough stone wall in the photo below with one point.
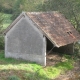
(25, 41)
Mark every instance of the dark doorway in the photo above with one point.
(52, 57)
(49, 45)
(64, 49)
(54, 54)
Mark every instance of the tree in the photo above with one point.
(1, 22)
(16, 9)
(26, 5)
(1, 26)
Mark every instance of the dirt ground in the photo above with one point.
(53, 58)
(74, 74)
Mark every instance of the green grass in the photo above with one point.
(31, 71)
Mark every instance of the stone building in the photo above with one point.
(31, 34)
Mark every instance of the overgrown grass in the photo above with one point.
(31, 71)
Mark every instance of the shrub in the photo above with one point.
(1, 42)
(77, 50)
(13, 77)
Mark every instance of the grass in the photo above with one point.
(24, 70)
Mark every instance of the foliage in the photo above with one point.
(16, 9)
(7, 20)
(13, 77)
(32, 71)
(25, 5)
(77, 50)
(4, 22)
(1, 42)
(6, 6)
(1, 22)
(1, 26)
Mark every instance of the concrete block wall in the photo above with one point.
(25, 41)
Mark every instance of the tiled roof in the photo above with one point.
(55, 27)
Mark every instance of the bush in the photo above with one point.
(13, 77)
(1, 42)
(77, 50)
